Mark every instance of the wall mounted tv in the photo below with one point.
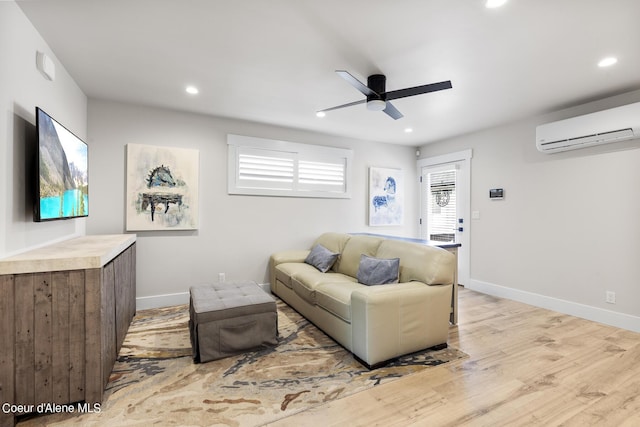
(62, 185)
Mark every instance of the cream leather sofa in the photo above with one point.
(376, 323)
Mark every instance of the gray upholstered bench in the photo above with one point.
(229, 318)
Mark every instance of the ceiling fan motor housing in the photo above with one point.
(377, 83)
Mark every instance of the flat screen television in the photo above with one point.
(62, 181)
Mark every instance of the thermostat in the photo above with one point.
(496, 194)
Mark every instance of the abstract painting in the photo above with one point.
(386, 196)
(162, 188)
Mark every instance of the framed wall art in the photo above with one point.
(386, 196)
(162, 188)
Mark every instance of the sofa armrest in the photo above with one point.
(285, 256)
(289, 256)
(391, 320)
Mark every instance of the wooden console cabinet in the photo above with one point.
(64, 312)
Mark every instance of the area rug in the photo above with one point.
(155, 382)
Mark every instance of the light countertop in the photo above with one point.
(79, 253)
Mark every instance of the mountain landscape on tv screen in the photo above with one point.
(63, 183)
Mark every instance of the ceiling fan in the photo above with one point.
(376, 97)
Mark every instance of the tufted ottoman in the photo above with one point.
(230, 317)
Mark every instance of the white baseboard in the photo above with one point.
(167, 300)
(608, 317)
(157, 301)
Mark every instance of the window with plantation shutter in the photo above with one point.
(328, 176)
(260, 166)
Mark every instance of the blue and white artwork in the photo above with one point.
(386, 196)
(162, 188)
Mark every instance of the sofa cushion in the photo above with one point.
(321, 258)
(378, 271)
(426, 264)
(304, 283)
(336, 298)
(349, 260)
(285, 271)
(335, 242)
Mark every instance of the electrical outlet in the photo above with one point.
(610, 297)
(221, 277)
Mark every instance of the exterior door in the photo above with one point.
(444, 204)
(440, 207)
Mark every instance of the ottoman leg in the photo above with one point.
(193, 333)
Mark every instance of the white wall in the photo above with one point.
(566, 232)
(568, 229)
(236, 234)
(22, 88)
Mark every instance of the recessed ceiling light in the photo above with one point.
(492, 4)
(607, 62)
(321, 114)
(192, 90)
(408, 130)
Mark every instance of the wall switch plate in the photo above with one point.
(475, 215)
(610, 297)
(221, 277)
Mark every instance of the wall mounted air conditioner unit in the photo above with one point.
(603, 127)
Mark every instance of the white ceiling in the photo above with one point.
(274, 61)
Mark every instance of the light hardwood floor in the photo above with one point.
(527, 367)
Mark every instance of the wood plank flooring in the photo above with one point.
(527, 367)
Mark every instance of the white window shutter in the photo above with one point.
(258, 168)
(278, 168)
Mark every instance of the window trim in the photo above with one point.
(238, 145)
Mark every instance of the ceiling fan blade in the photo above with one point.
(417, 90)
(362, 101)
(363, 88)
(392, 111)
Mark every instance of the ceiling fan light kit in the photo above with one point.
(377, 98)
(376, 105)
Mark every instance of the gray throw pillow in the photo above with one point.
(321, 258)
(378, 271)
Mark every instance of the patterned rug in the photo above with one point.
(155, 382)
